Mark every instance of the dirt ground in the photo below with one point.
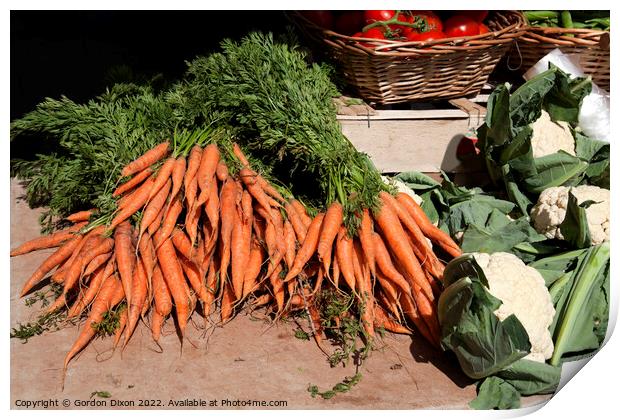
(248, 359)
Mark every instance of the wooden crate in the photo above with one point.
(423, 138)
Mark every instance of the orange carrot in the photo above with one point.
(364, 288)
(389, 325)
(258, 193)
(298, 225)
(161, 293)
(301, 211)
(52, 261)
(178, 174)
(133, 182)
(190, 183)
(278, 287)
(171, 217)
(385, 265)
(344, 253)
(80, 216)
(139, 198)
(110, 295)
(182, 244)
(125, 259)
(95, 263)
(255, 262)
(173, 276)
(336, 269)
(157, 322)
(290, 245)
(436, 235)
(308, 248)
(122, 323)
(212, 210)
(154, 207)
(396, 239)
(411, 312)
(156, 224)
(138, 299)
(241, 243)
(102, 246)
(146, 160)
(162, 177)
(193, 275)
(229, 198)
(97, 279)
(206, 174)
(366, 239)
(329, 230)
(49, 241)
(227, 301)
(59, 275)
(147, 254)
(221, 171)
(211, 287)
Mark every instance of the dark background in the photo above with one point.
(77, 53)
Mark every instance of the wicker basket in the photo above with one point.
(591, 46)
(394, 72)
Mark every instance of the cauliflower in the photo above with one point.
(550, 211)
(523, 293)
(402, 187)
(548, 137)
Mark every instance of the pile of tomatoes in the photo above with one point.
(401, 25)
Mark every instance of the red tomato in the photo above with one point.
(374, 33)
(484, 29)
(322, 18)
(371, 16)
(477, 15)
(432, 20)
(426, 36)
(403, 30)
(349, 22)
(459, 26)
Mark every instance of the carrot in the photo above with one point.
(212, 210)
(221, 172)
(344, 253)
(95, 263)
(364, 288)
(171, 217)
(317, 326)
(190, 183)
(146, 160)
(298, 225)
(147, 254)
(211, 287)
(178, 174)
(110, 295)
(387, 287)
(301, 211)
(240, 155)
(155, 206)
(278, 287)
(156, 224)
(59, 275)
(173, 276)
(97, 279)
(138, 299)
(386, 323)
(229, 198)
(49, 241)
(261, 300)
(80, 216)
(329, 230)
(385, 265)
(261, 181)
(193, 275)
(336, 269)
(396, 239)
(389, 304)
(365, 234)
(139, 198)
(253, 267)
(162, 177)
(290, 245)
(227, 302)
(161, 293)
(308, 248)
(122, 323)
(182, 244)
(191, 224)
(206, 174)
(241, 243)
(103, 246)
(157, 322)
(57, 305)
(136, 180)
(436, 235)
(125, 259)
(258, 193)
(50, 262)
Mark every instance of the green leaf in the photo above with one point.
(496, 393)
(564, 100)
(574, 227)
(555, 170)
(499, 234)
(526, 102)
(417, 181)
(529, 377)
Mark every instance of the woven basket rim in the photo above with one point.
(568, 37)
(391, 48)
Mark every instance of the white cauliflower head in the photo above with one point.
(548, 137)
(523, 293)
(402, 187)
(550, 211)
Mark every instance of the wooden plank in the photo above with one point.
(407, 114)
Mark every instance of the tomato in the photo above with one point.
(349, 22)
(373, 33)
(322, 18)
(403, 30)
(432, 20)
(431, 35)
(484, 29)
(477, 15)
(371, 16)
(459, 26)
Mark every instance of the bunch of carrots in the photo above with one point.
(188, 236)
